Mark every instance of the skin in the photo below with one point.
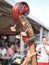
(45, 42)
(28, 58)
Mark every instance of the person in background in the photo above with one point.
(43, 52)
(10, 51)
(3, 50)
(16, 48)
(16, 51)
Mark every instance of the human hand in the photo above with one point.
(29, 55)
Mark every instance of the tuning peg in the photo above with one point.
(13, 28)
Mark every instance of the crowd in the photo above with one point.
(8, 51)
(42, 52)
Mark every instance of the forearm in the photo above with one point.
(46, 51)
(25, 62)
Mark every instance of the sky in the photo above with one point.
(39, 9)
